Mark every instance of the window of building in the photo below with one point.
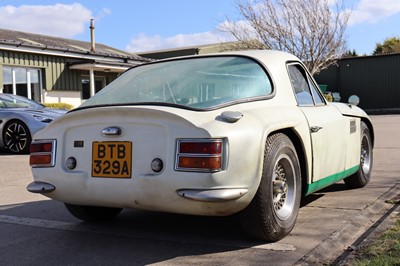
(23, 81)
(99, 83)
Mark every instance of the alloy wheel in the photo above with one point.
(16, 137)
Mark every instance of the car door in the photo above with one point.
(326, 125)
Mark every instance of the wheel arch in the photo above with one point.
(301, 155)
(371, 129)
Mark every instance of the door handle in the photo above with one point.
(111, 131)
(315, 129)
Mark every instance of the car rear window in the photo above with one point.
(202, 82)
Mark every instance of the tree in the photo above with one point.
(350, 53)
(389, 45)
(313, 30)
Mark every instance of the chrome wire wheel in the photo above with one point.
(17, 137)
(366, 151)
(284, 187)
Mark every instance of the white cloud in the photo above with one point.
(143, 42)
(54, 20)
(103, 13)
(373, 11)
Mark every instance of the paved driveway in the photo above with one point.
(38, 231)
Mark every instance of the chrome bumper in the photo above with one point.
(40, 187)
(212, 195)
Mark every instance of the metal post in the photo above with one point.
(28, 83)
(91, 82)
(14, 82)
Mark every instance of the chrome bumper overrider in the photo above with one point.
(212, 195)
(40, 187)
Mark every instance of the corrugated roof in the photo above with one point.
(369, 56)
(19, 38)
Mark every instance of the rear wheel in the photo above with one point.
(17, 138)
(272, 213)
(363, 175)
(92, 213)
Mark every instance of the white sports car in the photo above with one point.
(244, 133)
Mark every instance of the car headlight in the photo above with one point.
(43, 119)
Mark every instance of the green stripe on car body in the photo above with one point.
(324, 182)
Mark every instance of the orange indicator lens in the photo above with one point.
(205, 163)
(44, 159)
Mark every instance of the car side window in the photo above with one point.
(317, 96)
(300, 85)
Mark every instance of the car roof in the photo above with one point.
(261, 55)
(264, 53)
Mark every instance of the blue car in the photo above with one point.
(20, 119)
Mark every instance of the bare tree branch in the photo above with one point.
(313, 30)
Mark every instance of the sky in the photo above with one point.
(148, 25)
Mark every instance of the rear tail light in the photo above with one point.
(200, 155)
(42, 153)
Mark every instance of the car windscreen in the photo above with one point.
(202, 82)
(15, 101)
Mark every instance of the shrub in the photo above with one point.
(65, 106)
(329, 97)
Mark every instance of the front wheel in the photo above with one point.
(92, 213)
(363, 175)
(272, 213)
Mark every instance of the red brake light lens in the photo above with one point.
(201, 147)
(41, 147)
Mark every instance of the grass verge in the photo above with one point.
(384, 250)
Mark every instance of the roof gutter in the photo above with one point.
(100, 67)
(66, 53)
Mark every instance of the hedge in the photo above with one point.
(65, 106)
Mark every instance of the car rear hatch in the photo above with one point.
(122, 142)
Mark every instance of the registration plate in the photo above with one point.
(112, 159)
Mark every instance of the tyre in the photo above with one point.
(363, 175)
(17, 137)
(272, 213)
(92, 213)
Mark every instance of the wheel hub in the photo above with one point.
(363, 156)
(280, 188)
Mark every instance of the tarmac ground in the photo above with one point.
(332, 224)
